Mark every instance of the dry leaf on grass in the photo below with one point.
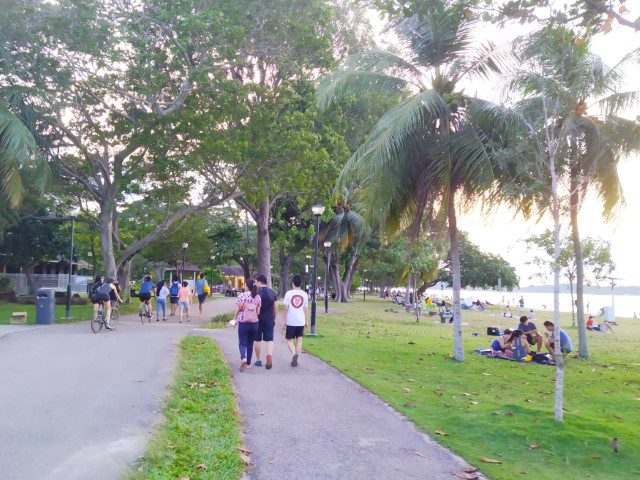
(202, 466)
(440, 432)
(246, 459)
(595, 456)
(244, 450)
(533, 445)
(410, 405)
(183, 478)
(486, 374)
(489, 460)
(470, 469)
(466, 475)
(410, 380)
(474, 403)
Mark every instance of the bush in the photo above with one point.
(5, 284)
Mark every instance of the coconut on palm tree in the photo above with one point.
(435, 148)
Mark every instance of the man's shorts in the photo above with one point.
(184, 304)
(293, 332)
(173, 300)
(144, 296)
(202, 297)
(265, 331)
(100, 297)
(564, 349)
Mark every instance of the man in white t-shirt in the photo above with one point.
(296, 305)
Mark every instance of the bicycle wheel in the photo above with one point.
(96, 321)
(141, 314)
(114, 319)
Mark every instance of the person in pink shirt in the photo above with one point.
(184, 299)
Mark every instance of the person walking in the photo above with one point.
(201, 291)
(296, 305)
(266, 320)
(173, 295)
(184, 299)
(247, 311)
(161, 300)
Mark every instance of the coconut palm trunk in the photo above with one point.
(574, 199)
(458, 347)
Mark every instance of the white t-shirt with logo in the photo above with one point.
(296, 301)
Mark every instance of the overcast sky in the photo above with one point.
(503, 234)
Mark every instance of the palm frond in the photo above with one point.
(346, 82)
(617, 102)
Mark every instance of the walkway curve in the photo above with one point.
(312, 422)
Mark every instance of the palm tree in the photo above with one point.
(561, 64)
(18, 147)
(436, 146)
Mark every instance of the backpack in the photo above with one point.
(175, 288)
(250, 312)
(94, 290)
(519, 352)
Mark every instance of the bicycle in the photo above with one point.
(145, 311)
(98, 321)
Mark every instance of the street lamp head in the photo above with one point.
(318, 209)
(212, 257)
(185, 245)
(327, 244)
(74, 212)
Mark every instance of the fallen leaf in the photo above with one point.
(440, 432)
(489, 460)
(448, 405)
(533, 445)
(213, 383)
(419, 454)
(412, 343)
(272, 462)
(202, 466)
(410, 405)
(244, 450)
(466, 394)
(474, 403)
(411, 380)
(466, 475)
(470, 469)
(595, 456)
(183, 478)
(246, 459)
(496, 412)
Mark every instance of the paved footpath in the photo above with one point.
(312, 422)
(76, 405)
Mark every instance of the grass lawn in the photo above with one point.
(495, 408)
(78, 312)
(200, 438)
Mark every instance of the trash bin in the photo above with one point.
(45, 306)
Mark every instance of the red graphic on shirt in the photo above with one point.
(297, 301)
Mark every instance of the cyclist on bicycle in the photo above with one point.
(102, 297)
(146, 292)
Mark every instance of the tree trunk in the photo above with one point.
(285, 266)
(351, 272)
(264, 241)
(427, 285)
(124, 279)
(458, 347)
(408, 289)
(31, 279)
(573, 310)
(574, 199)
(106, 240)
(337, 279)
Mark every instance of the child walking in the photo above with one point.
(184, 299)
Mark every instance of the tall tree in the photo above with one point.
(123, 82)
(593, 142)
(438, 144)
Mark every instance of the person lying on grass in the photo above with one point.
(531, 332)
(565, 341)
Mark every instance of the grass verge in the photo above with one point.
(219, 321)
(200, 438)
(78, 312)
(493, 408)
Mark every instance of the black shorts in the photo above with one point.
(294, 332)
(100, 297)
(144, 296)
(202, 297)
(265, 331)
(173, 300)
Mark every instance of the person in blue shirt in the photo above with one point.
(565, 341)
(202, 295)
(146, 292)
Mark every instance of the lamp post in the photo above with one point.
(73, 213)
(317, 210)
(364, 287)
(327, 247)
(184, 254)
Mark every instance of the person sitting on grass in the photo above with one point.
(500, 344)
(444, 313)
(565, 341)
(531, 332)
(507, 312)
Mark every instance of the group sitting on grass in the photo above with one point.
(518, 344)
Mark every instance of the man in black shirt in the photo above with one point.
(266, 321)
